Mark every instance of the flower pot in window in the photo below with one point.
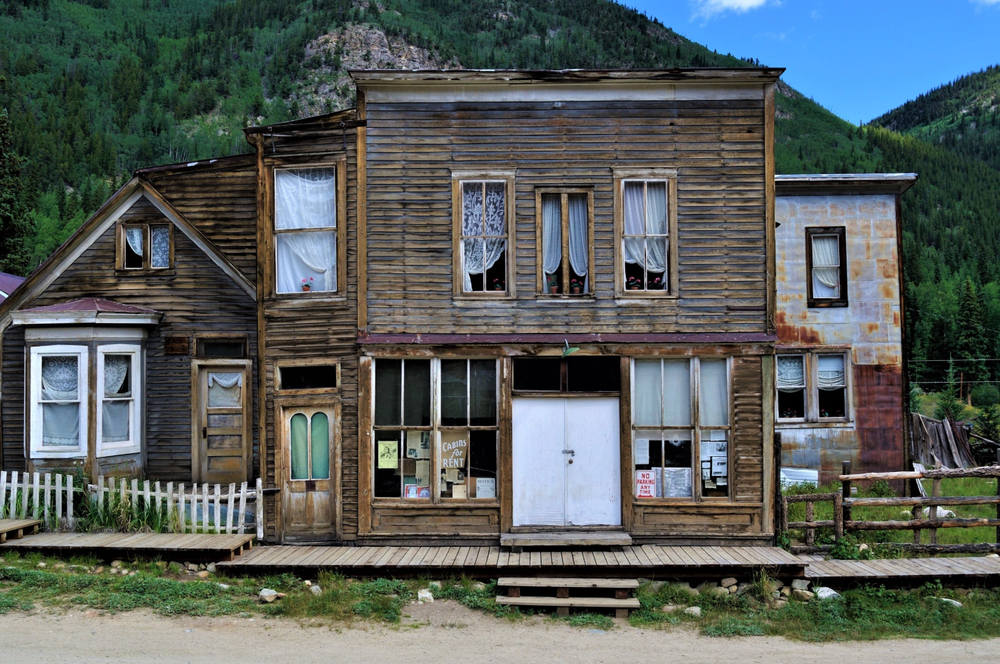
(576, 290)
(554, 290)
(307, 284)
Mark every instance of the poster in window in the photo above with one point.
(454, 449)
(486, 487)
(423, 473)
(418, 444)
(460, 491)
(676, 482)
(645, 484)
(719, 466)
(641, 451)
(387, 454)
(416, 491)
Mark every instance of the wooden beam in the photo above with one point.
(365, 486)
(770, 250)
(362, 216)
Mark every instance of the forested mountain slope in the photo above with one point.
(96, 89)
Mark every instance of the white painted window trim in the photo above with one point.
(37, 449)
(134, 444)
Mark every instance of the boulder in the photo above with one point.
(204, 574)
(774, 585)
(800, 584)
(210, 567)
(693, 611)
(728, 581)
(307, 583)
(785, 592)
(478, 586)
(827, 593)
(115, 564)
(434, 585)
(802, 595)
(777, 604)
(685, 587)
(268, 596)
(670, 608)
(733, 589)
(424, 595)
(315, 590)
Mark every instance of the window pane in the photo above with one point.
(320, 446)
(309, 378)
(483, 392)
(831, 372)
(656, 263)
(161, 246)
(647, 396)
(305, 198)
(225, 390)
(594, 374)
(714, 403)
(61, 424)
(388, 381)
(221, 348)
(714, 464)
(299, 446)
(307, 261)
(133, 247)
(832, 403)
(792, 403)
(677, 457)
(388, 469)
(677, 393)
(117, 381)
(656, 208)
(552, 241)
(791, 372)
(472, 209)
(826, 262)
(453, 463)
(579, 245)
(454, 399)
(60, 378)
(537, 374)
(417, 399)
(496, 210)
(115, 421)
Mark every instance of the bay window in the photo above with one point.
(435, 426)
(118, 401)
(681, 428)
(59, 401)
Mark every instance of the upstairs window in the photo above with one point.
(812, 387)
(646, 233)
(826, 263)
(306, 226)
(145, 246)
(565, 228)
(483, 237)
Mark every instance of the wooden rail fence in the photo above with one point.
(843, 504)
(204, 508)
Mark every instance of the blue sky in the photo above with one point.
(857, 58)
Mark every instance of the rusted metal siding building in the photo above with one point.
(840, 374)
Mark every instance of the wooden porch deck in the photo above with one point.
(904, 570)
(646, 560)
(184, 547)
(17, 528)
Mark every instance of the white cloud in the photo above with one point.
(707, 9)
(985, 2)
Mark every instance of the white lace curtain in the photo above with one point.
(551, 233)
(484, 228)
(306, 200)
(791, 373)
(645, 205)
(826, 266)
(60, 382)
(115, 413)
(579, 254)
(831, 372)
(160, 245)
(225, 390)
(134, 238)
(115, 370)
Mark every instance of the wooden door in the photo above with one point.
(566, 466)
(222, 422)
(310, 438)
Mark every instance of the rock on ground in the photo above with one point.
(827, 593)
(694, 611)
(268, 595)
(802, 595)
(424, 595)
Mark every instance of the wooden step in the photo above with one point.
(17, 528)
(566, 539)
(564, 604)
(540, 582)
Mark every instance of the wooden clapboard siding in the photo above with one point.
(12, 404)
(436, 520)
(195, 296)
(747, 455)
(220, 199)
(717, 148)
(312, 328)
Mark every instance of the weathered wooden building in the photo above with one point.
(480, 304)
(840, 376)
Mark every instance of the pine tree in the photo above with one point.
(971, 344)
(15, 224)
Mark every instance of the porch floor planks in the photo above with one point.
(117, 545)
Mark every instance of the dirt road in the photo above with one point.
(440, 633)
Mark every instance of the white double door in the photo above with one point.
(566, 462)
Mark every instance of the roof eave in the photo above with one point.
(844, 184)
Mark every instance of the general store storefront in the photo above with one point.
(663, 443)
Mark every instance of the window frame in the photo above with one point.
(564, 193)
(134, 444)
(37, 449)
(695, 428)
(435, 428)
(812, 301)
(458, 180)
(339, 164)
(322, 362)
(147, 247)
(805, 388)
(621, 176)
(201, 338)
(811, 359)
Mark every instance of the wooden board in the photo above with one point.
(912, 569)
(15, 529)
(542, 582)
(566, 539)
(118, 545)
(576, 602)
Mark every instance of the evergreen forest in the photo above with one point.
(91, 90)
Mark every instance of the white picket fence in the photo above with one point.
(38, 496)
(202, 509)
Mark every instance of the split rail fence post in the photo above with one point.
(846, 493)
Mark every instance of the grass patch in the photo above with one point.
(481, 597)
